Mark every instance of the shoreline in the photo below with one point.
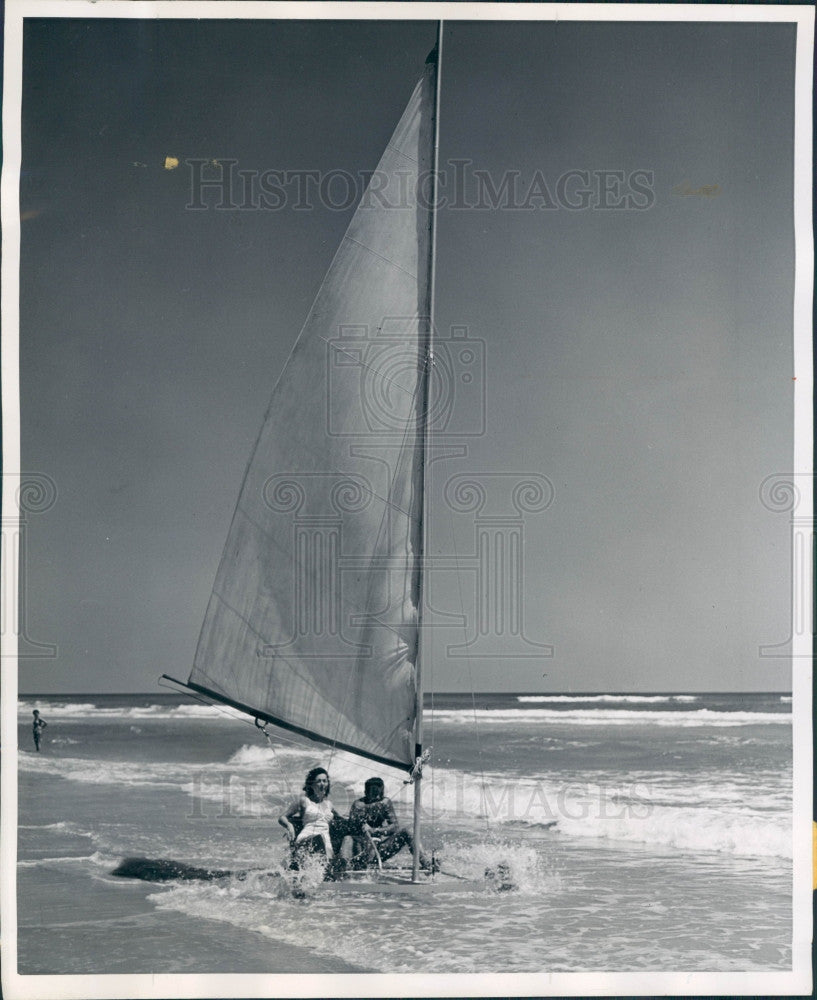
(130, 934)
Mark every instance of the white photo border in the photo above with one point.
(798, 981)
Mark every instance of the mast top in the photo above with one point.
(434, 54)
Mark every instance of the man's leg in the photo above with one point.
(361, 854)
(388, 847)
(396, 842)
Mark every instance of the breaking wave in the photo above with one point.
(633, 698)
(90, 712)
(613, 717)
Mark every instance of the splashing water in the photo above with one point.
(503, 865)
(303, 882)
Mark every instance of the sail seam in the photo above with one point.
(238, 614)
(362, 364)
(397, 149)
(287, 659)
(364, 619)
(363, 246)
(267, 644)
(241, 509)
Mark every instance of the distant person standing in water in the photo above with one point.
(37, 727)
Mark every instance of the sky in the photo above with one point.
(637, 358)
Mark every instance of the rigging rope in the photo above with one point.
(232, 714)
(271, 745)
(236, 717)
(417, 770)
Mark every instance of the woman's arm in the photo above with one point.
(286, 820)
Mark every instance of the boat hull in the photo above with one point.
(399, 882)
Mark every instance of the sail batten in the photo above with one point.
(312, 624)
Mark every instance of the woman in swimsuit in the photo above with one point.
(312, 813)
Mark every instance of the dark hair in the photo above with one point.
(310, 780)
(374, 789)
(36, 711)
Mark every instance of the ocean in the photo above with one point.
(643, 832)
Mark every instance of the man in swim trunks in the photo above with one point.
(37, 727)
(374, 825)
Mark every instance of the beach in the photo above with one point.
(646, 832)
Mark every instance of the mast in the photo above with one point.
(428, 362)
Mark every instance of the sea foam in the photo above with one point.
(88, 712)
(604, 698)
(612, 717)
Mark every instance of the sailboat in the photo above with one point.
(314, 624)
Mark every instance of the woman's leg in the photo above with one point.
(304, 849)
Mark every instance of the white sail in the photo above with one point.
(312, 623)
